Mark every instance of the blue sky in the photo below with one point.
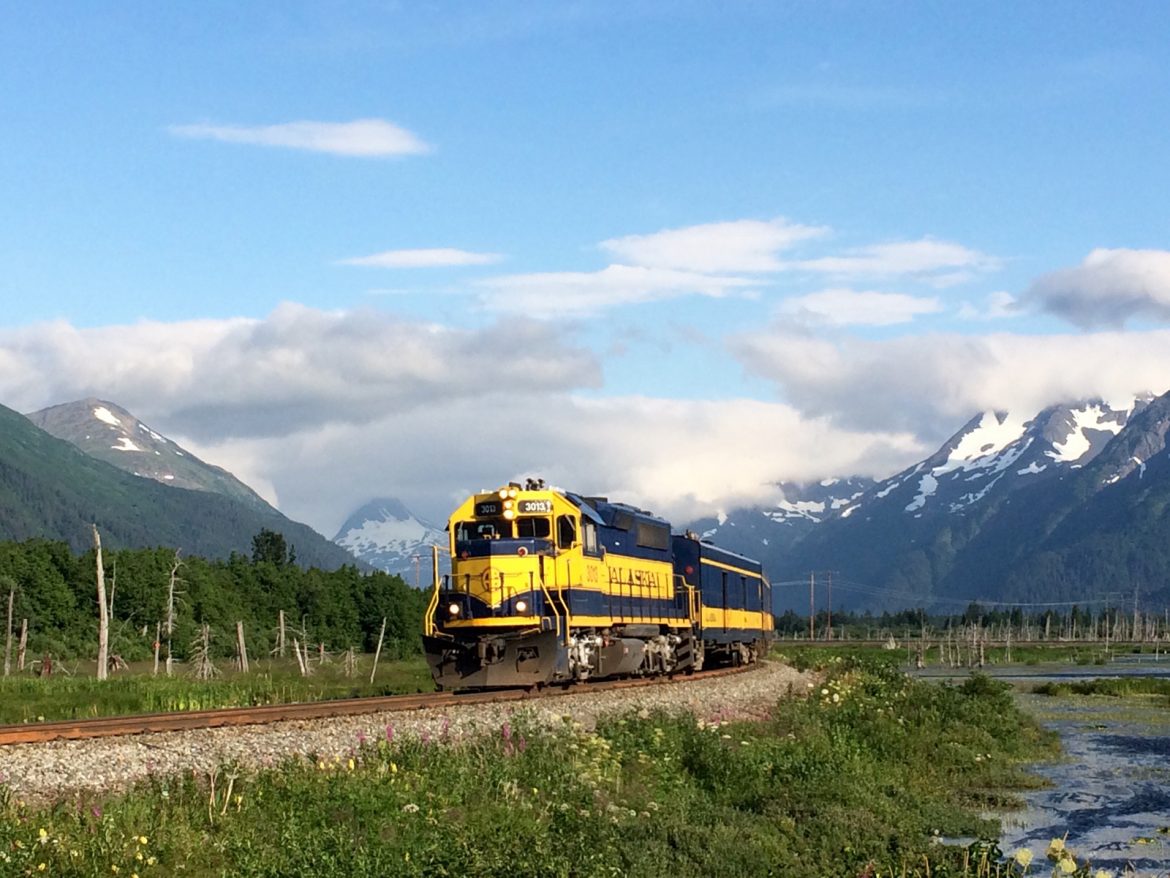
(673, 251)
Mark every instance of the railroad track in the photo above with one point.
(104, 727)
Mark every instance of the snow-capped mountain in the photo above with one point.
(766, 529)
(108, 432)
(1057, 507)
(385, 535)
(997, 452)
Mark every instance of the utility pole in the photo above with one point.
(416, 557)
(829, 625)
(812, 584)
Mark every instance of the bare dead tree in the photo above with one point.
(103, 610)
(201, 666)
(8, 631)
(170, 621)
(378, 651)
(241, 648)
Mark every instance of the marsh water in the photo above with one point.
(1109, 793)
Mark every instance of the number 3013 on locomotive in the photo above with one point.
(547, 586)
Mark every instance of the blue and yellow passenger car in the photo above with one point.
(549, 586)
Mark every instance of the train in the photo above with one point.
(551, 587)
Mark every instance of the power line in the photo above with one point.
(878, 591)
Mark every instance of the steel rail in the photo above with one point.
(103, 727)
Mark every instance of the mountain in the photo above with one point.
(772, 531)
(384, 534)
(1061, 506)
(50, 489)
(108, 432)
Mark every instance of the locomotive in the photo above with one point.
(548, 586)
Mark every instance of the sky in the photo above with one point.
(672, 252)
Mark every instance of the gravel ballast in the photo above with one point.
(45, 772)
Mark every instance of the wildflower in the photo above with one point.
(43, 835)
(1023, 856)
(150, 861)
(390, 733)
(836, 698)
(41, 867)
(1056, 847)
(351, 764)
(1067, 865)
(394, 768)
(142, 839)
(1101, 873)
(410, 808)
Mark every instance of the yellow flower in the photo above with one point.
(41, 867)
(350, 765)
(1024, 857)
(394, 768)
(142, 839)
(44, 834)
(1055, 847)
(1067, 865)
(150, 861)
(1101, 873)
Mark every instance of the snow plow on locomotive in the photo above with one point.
(548, 586)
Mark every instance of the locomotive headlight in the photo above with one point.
(512, 493)
(509, 514)
(453, 609)
(521, 606)
(503, 493)
(508, 504)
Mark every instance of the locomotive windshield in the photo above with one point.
(483, 529)
(533, 528)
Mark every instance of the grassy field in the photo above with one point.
(859, 777)
(80, 694)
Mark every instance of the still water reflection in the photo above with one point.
(1110, 791)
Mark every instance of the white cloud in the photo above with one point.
(930, 384)
(579, 293)
(435, 257)
(362, 137)
(997, 305)
(739, 246)
(844, 307)
(677, 458)
(941, 263)
(295, 368)
(1109, 288)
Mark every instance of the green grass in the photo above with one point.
(1119, 687)
(859, 777)
(62, 697)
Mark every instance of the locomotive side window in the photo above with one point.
(653, 536)
(566, 531)
(590, 537)
(533, 528)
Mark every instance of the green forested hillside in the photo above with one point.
(55, 590)
(49, 489)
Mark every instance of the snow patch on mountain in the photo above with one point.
(104, 414)
(1078, 444)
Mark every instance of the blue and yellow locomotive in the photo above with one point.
(548, 586)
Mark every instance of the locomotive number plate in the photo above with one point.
(531, 506)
